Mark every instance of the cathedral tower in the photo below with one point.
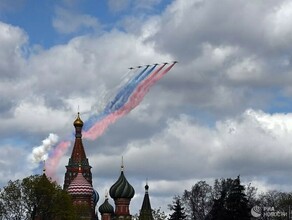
(122, 192)
(78, 157)
(78, 178)
(146, 211)
(106, 210)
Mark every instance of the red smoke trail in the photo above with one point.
(143, 89)
(98, 129)
(53, 161)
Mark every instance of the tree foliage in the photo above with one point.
(231, 203)
(198, 201)
(226, 198)
(157, 214)
(35, 196)
(178, 210)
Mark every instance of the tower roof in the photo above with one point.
(95, 197)
(80, 186)
(106, 207)
(78, 155)
(122, 188)
(146, 211)
(78, 122)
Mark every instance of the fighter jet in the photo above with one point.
(175, 61)
(131, 68)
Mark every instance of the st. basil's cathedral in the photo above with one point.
(78, 183)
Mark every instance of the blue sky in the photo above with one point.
(36, 17)
(224, 110)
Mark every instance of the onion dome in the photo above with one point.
(122, 188)
(95, 197)
(80, 186)
(106, 207)
(78, 122)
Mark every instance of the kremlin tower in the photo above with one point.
(78, 183)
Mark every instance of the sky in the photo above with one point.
(224, 110)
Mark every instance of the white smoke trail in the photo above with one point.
(40, 153)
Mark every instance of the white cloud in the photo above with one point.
(250, 144)
(117, 6)
(233, 56)
(68, 22)
(12, 41)
(280, 20)
(13, 163)
(248, 69)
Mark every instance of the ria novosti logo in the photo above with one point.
(258, 211)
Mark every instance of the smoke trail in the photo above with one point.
(136, 98)
(40, 153)
(122, 92)
(53, 161)
(120, 99)
(143, 88)
(128, 98)
(125, 80)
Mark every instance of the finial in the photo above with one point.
(146, 186)
(44, 167)
(122, 166)
(78, 122)
(106, 194)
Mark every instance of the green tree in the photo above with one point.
(158, 214)
(236, 202)
(198, 201)
(35, 197)
(231, 202)
(279, 201)
(178, 210)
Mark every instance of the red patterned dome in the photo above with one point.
(80, 186)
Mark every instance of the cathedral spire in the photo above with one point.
(146, 211)
(78, 157)
(122, 164)
(44, 168)
(78, 124)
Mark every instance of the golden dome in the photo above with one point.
(78, 122)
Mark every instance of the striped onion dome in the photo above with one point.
(80, 186)
(122, 188)
(95, 197)
(106, 207)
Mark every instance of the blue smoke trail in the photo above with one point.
(109, 107)
(121, 98)
(129, 89)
